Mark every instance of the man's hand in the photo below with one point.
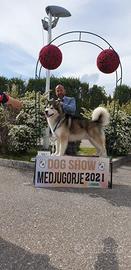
(59, 100)
(3, 98)
(14, 103)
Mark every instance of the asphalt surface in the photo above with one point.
(69, 229)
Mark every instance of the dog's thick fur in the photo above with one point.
(69, 128)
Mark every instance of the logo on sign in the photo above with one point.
(42, 163)
(101, 166)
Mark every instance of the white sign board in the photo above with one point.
(70, 171)
(44, 153)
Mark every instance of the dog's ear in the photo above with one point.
(58, 106)
(56, 102)
(49, 102)
(46, 102)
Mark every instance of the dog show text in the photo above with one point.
(71, 171)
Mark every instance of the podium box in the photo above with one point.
(72, 171)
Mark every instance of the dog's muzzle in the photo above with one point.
(48, 114)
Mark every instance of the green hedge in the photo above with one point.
(118, 132)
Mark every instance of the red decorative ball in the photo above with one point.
(50, 57)
(108, 61)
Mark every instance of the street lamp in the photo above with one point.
(54, 13)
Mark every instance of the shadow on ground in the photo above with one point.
(12, 257)
(107, 259)
(118, 196)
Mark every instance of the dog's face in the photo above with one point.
(53, 108)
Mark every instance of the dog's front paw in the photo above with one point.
(54, 154)
(57, 154)
(60, 154)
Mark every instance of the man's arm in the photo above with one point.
(69, 105)
(9, 101)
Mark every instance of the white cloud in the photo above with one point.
(92, 78)
(21, 25)
(126, 65)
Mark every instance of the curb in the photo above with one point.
(117, 162)
(17, 164)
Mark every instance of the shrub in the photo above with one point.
(27, 116)
(4, 129)
(26, 130)
(7, 118)
(18, 132)
(118, 132)
(127, 108)
(20, 138)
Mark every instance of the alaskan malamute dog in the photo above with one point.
(69, 128)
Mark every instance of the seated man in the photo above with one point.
(9, 101)
(68, 103)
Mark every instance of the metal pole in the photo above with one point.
(46, 141)
(48, 41)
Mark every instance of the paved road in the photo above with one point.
(52, 229)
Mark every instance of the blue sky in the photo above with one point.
(22, 37)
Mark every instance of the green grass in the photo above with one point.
(23, 157)
(88, 151)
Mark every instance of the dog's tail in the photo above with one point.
(101, 115)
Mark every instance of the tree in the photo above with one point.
(109, 99)
(122, 94)
(36, 85)
(16, 87)
(3, 84)
(97, 96)
(85, 97)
